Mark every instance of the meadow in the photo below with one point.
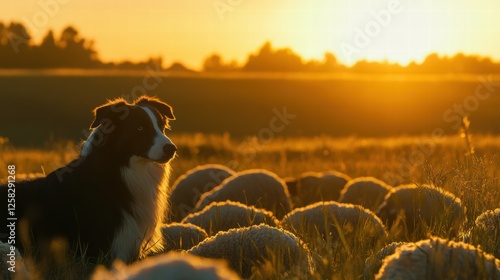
(361, 127)
(38, 108)
(443, 161)
(473, 178)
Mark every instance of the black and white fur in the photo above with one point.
(109, 201)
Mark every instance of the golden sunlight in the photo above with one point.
(393, 30)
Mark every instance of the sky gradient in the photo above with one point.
(189, 30)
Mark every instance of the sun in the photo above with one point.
(398, 31)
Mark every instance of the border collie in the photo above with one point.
(112, 199)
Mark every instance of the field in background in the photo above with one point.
(38, 109)
(349, 125)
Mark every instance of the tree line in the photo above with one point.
(267, 59)
(70, 50)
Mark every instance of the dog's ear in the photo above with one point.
(107, 111)
(162, 107)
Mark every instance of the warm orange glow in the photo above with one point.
(188, 32)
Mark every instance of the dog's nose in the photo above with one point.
(169, 150)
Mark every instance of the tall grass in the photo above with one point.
(291, 156)
(467, 167)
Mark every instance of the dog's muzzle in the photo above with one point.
(169, 152)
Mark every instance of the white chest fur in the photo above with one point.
(140, 232)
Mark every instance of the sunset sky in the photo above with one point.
(189, 30)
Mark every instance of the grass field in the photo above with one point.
(36, 109)
(396, 160)
(361, 127)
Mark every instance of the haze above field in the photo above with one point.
(70, 50)
(188, 31)
(338, 46)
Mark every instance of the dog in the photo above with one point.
(111, 200)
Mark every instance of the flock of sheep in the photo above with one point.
(254, 219)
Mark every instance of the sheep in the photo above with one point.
(368, 192)
(255, 187)
(313, 187)
(182, 236)
(247, 249)
(411, 212)
(189, 187)
(336, 223)
(170, 266)
(291, 184)
(12, 264)
(222, 216)
(486, 232)
(374, 262)
(438, 258)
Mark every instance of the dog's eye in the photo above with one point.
(140, 128)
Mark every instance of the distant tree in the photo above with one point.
(49, 41)
(330, 62)
(76, 52)
(69, 37)
(214, 63)
(15, 51)
(152, 63)
(3, 44)
(413, 67)
(364, 66)
(48, 53)
(313, 65)
(281, 60)
(433, 63)
(179, 67)
(461, 63)
(3, 34)
(70, 50)
(266, 50)
(18, 35)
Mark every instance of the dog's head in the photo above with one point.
(132, 129)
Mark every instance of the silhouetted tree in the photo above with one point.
(3, 34)
(152, 63)
(48, 53)
(179, 67)
(16, 51)
(214, 63)
(281, 60)
(18, 35)
(433, 63)
(330, 62)
(72, 51)
(69, 38)
(461, 63)
(76, 52)
(365, 66)
(49, 42)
